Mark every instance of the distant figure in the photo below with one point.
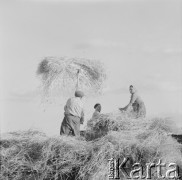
(136, 103)
(74, 115)
(97, 111)
(95, 115)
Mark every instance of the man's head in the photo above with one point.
(97, 107)
(79, 94)
(132, 89)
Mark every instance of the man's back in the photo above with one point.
(74, 106)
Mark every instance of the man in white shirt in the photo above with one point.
(74, 115)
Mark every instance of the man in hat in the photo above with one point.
(74, 115)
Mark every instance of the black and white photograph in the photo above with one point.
(90, 89)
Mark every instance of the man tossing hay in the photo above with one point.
(62, 76)
(73, 115)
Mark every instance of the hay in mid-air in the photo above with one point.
(62, 76)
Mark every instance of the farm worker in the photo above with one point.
(95, 115)
(73, 115)
(136, 103)
(97, 111)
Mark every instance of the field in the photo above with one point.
(31, 155)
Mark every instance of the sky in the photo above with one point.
(139, 41)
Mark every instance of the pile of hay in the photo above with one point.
(33, 155)
(141, 140)
(60, 75)
(122, 122)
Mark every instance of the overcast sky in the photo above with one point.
(139, 41)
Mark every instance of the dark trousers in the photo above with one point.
(70, 126)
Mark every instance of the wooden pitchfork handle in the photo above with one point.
(77, 84)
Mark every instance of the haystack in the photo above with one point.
(33, 155)
(141, 140)
(40, 157)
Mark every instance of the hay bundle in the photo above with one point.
(62, 76)
(122, 121)
(116, 121)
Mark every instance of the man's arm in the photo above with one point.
(66, 106)
(132, 100)
(82, 117)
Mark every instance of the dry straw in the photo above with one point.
(33, 155)
(142, 140)
(61, 76)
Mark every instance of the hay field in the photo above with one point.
(31, 155)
